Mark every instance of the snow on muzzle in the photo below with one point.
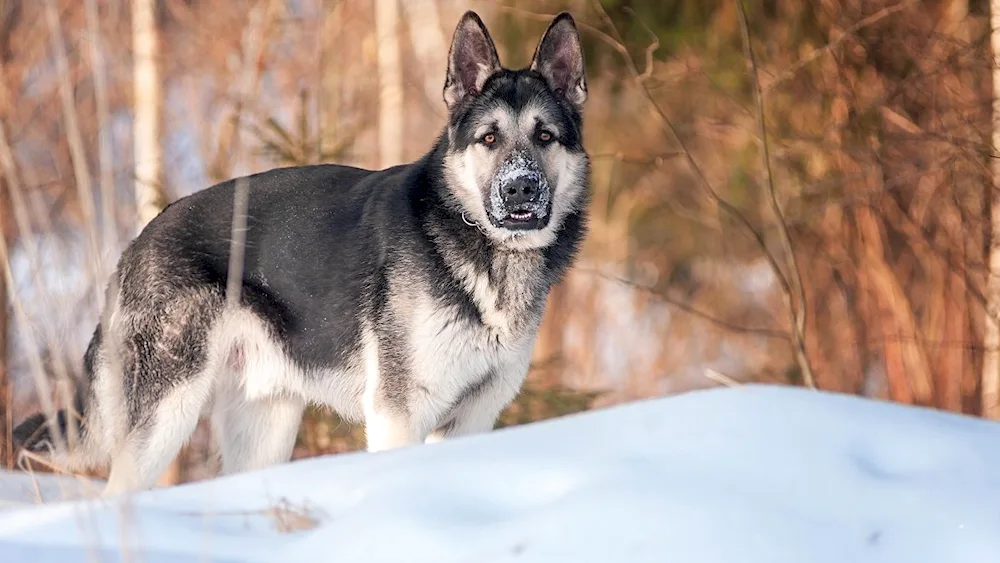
(520, 196)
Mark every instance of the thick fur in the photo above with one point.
(400, 298)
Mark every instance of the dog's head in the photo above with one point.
(516, 165)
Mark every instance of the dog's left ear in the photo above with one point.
(559, 58)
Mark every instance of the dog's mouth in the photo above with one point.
(521, 215)
(522, 219)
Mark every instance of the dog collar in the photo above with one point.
(480, 227)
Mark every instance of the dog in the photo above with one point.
(406, 299)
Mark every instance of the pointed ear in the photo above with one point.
(559, 58)
(471, 60)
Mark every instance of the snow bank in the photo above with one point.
(753, 474)
(18, 489)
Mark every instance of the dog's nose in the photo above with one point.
(520, 191)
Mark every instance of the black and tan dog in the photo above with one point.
(407, 299)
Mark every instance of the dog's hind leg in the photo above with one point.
(160, 366)
(257, 411)
(151, 445)
(255, 433)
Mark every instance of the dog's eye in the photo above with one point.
(489, 139)
(544, 137)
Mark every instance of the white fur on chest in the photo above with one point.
(453, 353)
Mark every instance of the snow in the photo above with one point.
(20, 488)
(755, 474)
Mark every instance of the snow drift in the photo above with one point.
(751, 474)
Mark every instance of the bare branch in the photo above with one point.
(105, 163)
(237, 244)
(610, 41)
(783, 281)
(253, 40)
(849, 32)
(8, 167)
(721, 378)
(796, 310)
(254, 44)
(656, 159)
(147, 123)
(650, 49)
(74, 136)
(723, 204)
(688, 308)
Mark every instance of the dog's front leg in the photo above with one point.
(389, 422)
(479, 412)
(387, 419)
(386, 427)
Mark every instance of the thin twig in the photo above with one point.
(650, 158)
(9, 169)
(721, 378)
(783, 281)
(797, 311)
(74, 137)
(237, 244)
(688, 308)
(259, 19)
(723, 204)
(253, 46)
(105, 162)
(34, 355)
(542, 16)
(653, 46)
(26, 456)
(849, 32)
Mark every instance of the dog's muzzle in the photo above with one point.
(520, 198)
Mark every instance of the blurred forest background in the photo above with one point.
(849, 251)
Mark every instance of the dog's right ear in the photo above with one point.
(471, 60)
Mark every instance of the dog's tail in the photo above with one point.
(35, 433)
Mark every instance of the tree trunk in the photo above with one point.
(906, 363)
(148, 152)
(991, 332)
(952, 356)
(390, 87)
(104, 140)
(148, 113)
(429, 43)
(6, 389)
(331, 74)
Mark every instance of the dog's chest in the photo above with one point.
(453, 349)
(452, 352)
(508, 297)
